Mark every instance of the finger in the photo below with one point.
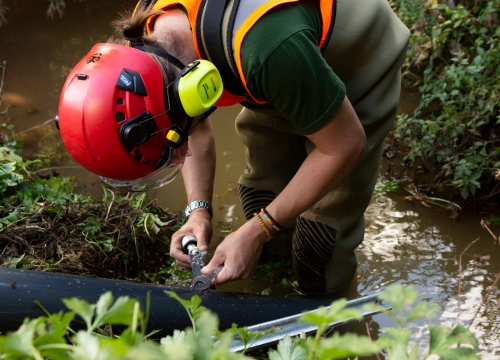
(179, 256)
(177, 253)
(184, 265)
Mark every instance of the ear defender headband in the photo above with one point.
(193, 93)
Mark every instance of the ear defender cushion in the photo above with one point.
(200, 88)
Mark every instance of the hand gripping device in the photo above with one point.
(198, 260)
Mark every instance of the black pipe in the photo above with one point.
(20, 288)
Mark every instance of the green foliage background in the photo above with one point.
(454, 60)
(52, 337)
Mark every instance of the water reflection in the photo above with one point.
(405, 243)
(409, 244)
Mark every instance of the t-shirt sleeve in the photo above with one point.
(297, 81)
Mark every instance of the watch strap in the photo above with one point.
(197, 204)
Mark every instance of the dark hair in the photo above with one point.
(131, 31)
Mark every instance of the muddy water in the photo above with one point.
(405, 243)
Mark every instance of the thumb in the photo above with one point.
(223, 277)
(202, 247)
(216, 261)
(202, 243)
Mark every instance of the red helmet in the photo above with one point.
(113, 119)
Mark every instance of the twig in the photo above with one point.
(110, 204)
(484, 224)
(4, 66)
(36, 126)
(460, 277)
(493, 286)
(437, 176)
(56, 168)
(149, 203)
(5, 248)
(370, 336)
(417, 195)
(492, 193)
(228, 189)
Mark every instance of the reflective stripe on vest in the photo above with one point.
(242, 15)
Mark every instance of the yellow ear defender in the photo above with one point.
(199, 87)
(194, 92)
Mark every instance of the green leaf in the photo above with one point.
(11, 218)
(288, 349)
(7, 155)
(177, 338)
(324, 316)
(121, 312)
(20, 343)
(38, 338)
(92, 226)
(247, 337)
(102, 305)
(81, 308)
(153, 222)
(192, 306)
(399, 334)
(341, 347)
(443, 341)
(414, 353)
(207, 324)
(105, 311)
(398, 351)
(399, 297)
(396, 344)
(88, 347)
(423, 310)
(54, 329)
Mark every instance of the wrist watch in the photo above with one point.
(197, 204)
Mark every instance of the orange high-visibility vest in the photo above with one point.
(219, 27)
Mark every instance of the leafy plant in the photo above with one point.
(119, 236)
(193, 306)
(456, 343)
(453, 59)
(47, 336)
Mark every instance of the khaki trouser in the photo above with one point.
(366, 50)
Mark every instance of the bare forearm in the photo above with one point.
(317, 175)
(198, 173)
(339, 146)
(199, 168)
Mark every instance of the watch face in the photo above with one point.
(197, 205)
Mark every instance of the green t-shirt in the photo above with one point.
(284, 67)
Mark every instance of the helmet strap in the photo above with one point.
(144, 4)
(170, 58)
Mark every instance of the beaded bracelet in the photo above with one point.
(270, 220)
(269, 236)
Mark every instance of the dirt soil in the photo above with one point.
(96, 240)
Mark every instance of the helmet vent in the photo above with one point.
(131, 81)
(120, 116)
(120, 101)
(138, 157)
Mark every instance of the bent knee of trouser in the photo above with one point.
(323, 258)
(257, 194)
